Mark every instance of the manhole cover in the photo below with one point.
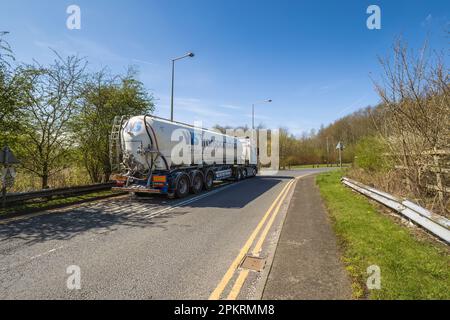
(253, 263)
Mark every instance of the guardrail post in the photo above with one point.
(439, 183)
(3, 196)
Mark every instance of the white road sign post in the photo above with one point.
(8, 174)
(340, 147)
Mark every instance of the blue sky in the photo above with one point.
(313, 58)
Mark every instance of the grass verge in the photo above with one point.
(313, 166)
(411, 268)
(25, 208)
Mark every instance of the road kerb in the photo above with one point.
(215, 295)
(257, 249)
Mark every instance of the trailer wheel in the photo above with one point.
(182, 187)
(209, 180)
(244, 173)
(197, 183)
(254, 172)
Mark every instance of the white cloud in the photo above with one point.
(427, 20)
(83, 47)
(357, 104)
(94, 51)
(193, 107)
(139, 61)
(230, 106)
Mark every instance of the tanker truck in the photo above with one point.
(158, 156)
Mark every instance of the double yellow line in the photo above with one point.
(216, 294)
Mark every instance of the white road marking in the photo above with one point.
(151, 215)
(46, 253)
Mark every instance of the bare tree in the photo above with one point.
(6, 54)
(415, 95)
(51, 98)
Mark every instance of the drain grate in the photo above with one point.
(253, 263)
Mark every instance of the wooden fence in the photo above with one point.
(434, 172)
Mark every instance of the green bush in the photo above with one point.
(370, 154)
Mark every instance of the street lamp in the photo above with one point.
(253, 111)
(188, 55)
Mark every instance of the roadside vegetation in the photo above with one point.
(57, 117)
(53, 203)
(312, 166)
(402, 145)
(411, 268)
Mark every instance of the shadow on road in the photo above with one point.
(107, 216)
(242, 194)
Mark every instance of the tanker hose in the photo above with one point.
(151, 141)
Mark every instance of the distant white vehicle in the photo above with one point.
(156, 155)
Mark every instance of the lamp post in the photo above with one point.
(253, 111)
(188, 55)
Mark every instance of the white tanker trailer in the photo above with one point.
(173, 158)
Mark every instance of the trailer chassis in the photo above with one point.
(179, 182)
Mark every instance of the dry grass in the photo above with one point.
(73, 176)
(393, 182)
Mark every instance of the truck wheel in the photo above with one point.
(238, 175)
(209, 180)
(197, 183)
(244, 173)
(182, 187)
(254, 172)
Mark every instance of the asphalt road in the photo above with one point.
(152, 249)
